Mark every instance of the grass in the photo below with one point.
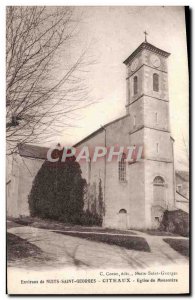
(54, 225)
(18, 248)
(25, 221)
(179, 245)
(158, 232)
(12, 224)
(131, 242)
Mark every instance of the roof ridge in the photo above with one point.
(182, 195)
(99, 130)
(146, 45)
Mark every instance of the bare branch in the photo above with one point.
(44, 84)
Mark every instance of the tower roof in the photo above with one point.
(148, 46)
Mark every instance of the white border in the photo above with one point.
(2, 102)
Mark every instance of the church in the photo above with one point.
(134, 195)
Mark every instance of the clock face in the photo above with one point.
(155, 60)
(134, 65)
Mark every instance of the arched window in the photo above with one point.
(155, 82)
(122, 211)
(159, 195)
(135, 85)
(158, 180)
(122, 168)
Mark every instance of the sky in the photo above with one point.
(114, 33)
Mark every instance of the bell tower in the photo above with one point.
(152, 179)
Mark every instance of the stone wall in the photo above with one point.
(152, 170)
(23, 171)
(115, 194)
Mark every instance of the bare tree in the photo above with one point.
(44, 82)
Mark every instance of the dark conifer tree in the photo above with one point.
(57, 191)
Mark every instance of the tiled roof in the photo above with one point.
(33, 151)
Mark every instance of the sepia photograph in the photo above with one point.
(97, 150)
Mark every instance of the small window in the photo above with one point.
(156, 117)
(179, 187)
(135, 85)
(122, 168)
(134, 121)
(157, 147)
(155, 82)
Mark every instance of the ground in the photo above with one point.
(19, 248)
(182, 246)
(72, 248)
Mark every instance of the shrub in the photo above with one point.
(176, 221)
(57, 192)
(91, 219)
